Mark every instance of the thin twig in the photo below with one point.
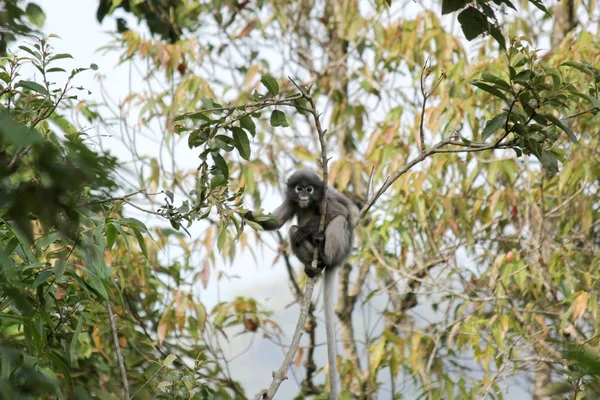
(111, 199)
(113, 327)
(424, 74)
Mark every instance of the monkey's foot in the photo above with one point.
(312, 272)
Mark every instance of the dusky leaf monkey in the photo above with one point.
(303, 196)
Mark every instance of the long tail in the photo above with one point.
(328, 300)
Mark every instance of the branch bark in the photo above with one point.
(113, 327)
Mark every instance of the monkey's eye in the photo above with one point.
(309, 189)
(298, 189)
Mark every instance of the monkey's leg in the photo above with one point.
(304, 252)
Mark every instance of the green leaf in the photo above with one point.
(594, 101)
(539, 5)
(496, 81)
(524, 76)
(193, 116)
(221, 165)
(73, 344)
(241, 142)
(16, 133)
(32, 52)
(507, 2)
(278, 119)
(271, 84)
(35, 14)
(111, 235)
(577, 65)
(62, 366)
(449, 6)
(59, 269)
(168, 360)
(140, 239)
(254, 225)
(494, 31)
(491, 90)
(197, 137)
(221, 239)
(562, 126)
(549, 162)
(472, 22)
(41, 278)
(60, 56)
(36, 87)
(163, 384)
(248, 124)
(301, 106)
(217, 180)
(94, 67)
(493, 125)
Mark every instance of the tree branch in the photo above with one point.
(281, 374)
(113, 327)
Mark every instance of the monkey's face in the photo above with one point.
(304, 195)
(305, 189)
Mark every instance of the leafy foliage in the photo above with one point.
(16, 19)
(477, 258)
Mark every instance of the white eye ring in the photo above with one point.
(298, 189)
(309, 189)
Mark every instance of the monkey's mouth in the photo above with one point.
(303, 202)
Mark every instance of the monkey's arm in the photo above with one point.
(280, 216)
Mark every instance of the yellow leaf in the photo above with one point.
(344, 177)
(377, 352)
(163, 384)
(201, 315)
(579, 306)
(168, 360)
(97, 340)
(181, 305)
(162, 331)
(299, 355)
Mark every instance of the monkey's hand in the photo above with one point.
(318, 240)
(300, 236)
(312, 272)
(249, 215)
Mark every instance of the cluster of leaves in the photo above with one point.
(166, 18)
(16, 19)
(217, 131)
(507, 236)
(479, 17)
(67, 253)
(534, 96)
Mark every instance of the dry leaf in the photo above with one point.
(580, 305)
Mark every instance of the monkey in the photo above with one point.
(303, 197)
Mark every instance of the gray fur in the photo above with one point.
(338, 241)
(338, 219)
(304, 253)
